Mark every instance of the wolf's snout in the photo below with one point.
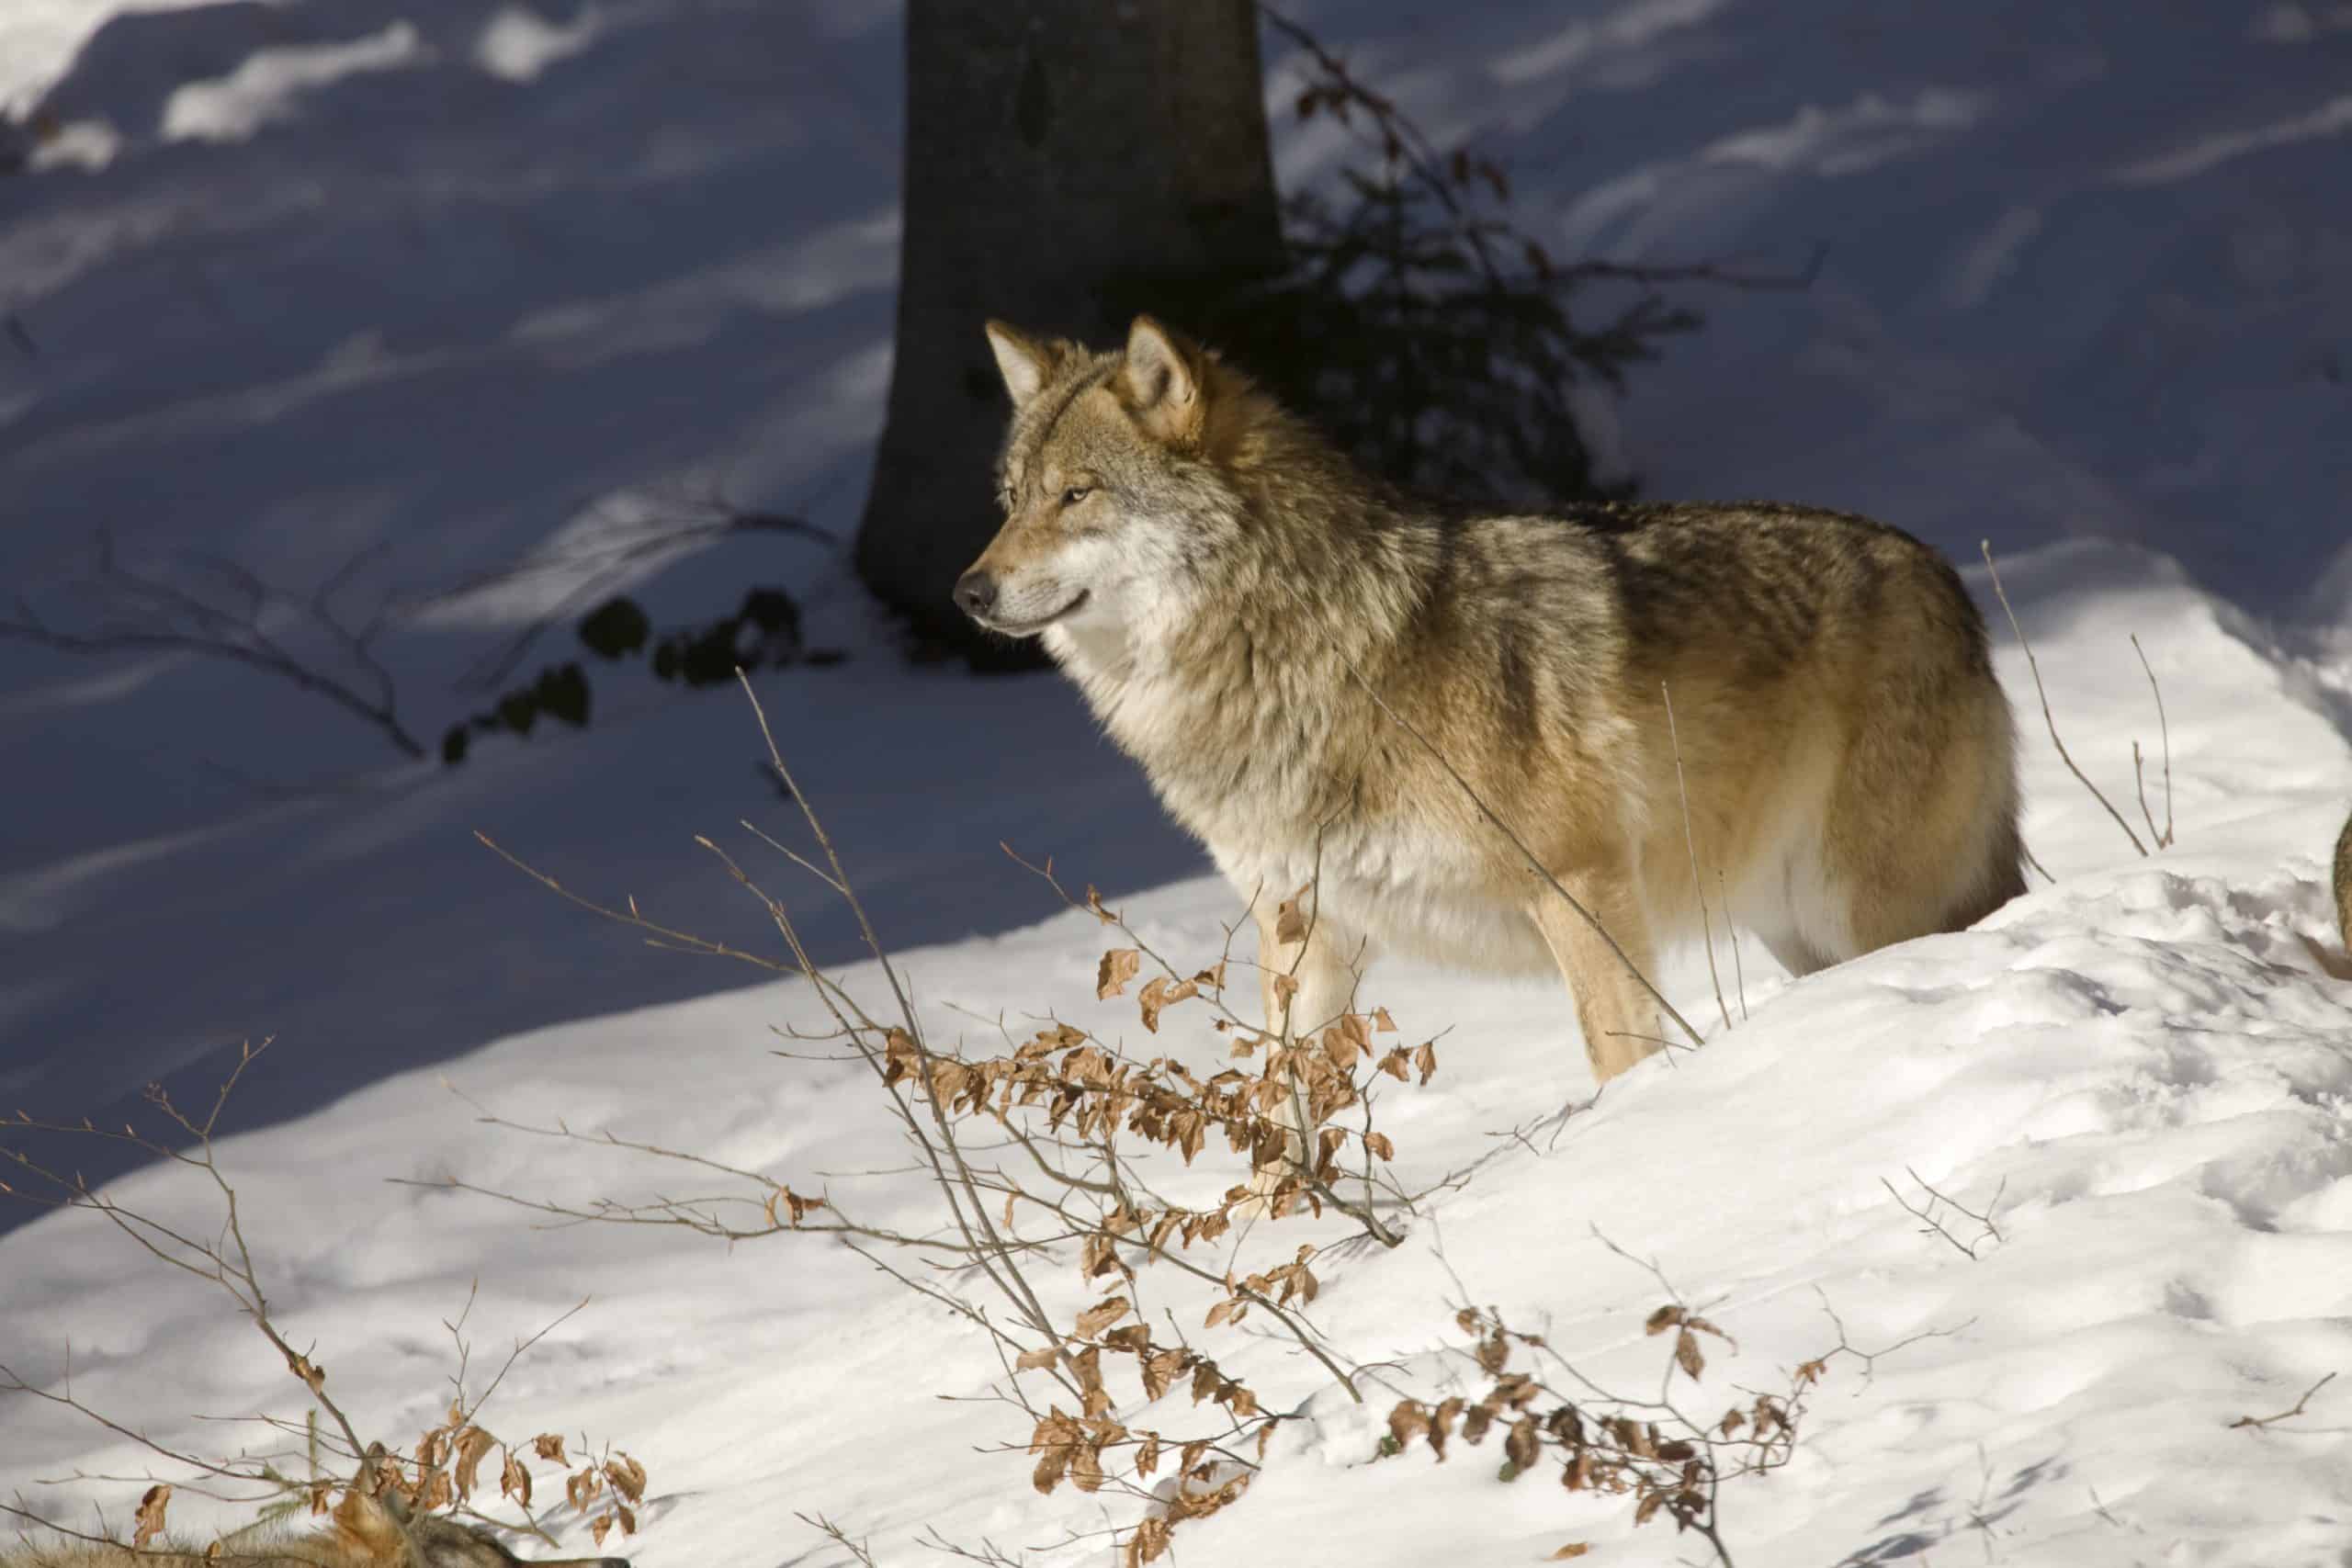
(976, 593)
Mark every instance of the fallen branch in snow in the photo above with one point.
(228, 612)
(437, 1475)
(858, 1550)
(2257, 1423)
(1928, 1217)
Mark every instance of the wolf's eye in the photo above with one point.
(1076, 493)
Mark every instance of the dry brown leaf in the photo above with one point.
(1574, 1549)
(1157, 994)
(548, 1446)
(1286, 988)
(1030, 1360)
(1686, 1354)
(149, 1522)
(1148, 1543)
(1523, 1445)
(1475, 1422)
(627, 1519)
(1425, 1058)
(628, 1477)
(1393, 1064)
(309, 1372)
(1159, 1372)
(1119, 966)
(1102, 1316)
(435, 1491)
(1378, 1144)
(1148, 1454)
(514, 1481)
(601, 1527)
(1290, 925)
(471, 1445)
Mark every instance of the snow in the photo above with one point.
(470, 283)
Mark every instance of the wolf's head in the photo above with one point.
(369, 1529)
(1112, 482)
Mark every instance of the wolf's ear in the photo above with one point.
(1024, 362)
(1161, 386)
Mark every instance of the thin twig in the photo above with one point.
(1697, 889)
(2258, 1422)
(2034, 665)
(2164, 839)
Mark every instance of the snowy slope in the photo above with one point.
(2142, 1061)
(460, 280)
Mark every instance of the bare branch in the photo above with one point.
(2035, 666)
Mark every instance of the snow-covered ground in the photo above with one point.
(294, 282)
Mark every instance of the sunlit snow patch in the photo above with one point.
(264, 89)
(518, 44)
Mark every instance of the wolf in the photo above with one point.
(362, 1533)
(1331, 684)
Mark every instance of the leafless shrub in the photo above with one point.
(441, 1472)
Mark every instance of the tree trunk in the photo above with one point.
(1068, 161)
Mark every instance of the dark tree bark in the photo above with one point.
(1067, 162)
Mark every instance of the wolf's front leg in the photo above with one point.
(1306, 983)
(1617, 1013)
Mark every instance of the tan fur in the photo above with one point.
(1229, 591)
(361, 1533)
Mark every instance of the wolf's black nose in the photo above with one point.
(976, 593)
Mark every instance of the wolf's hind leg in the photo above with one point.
(1618, 1016)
